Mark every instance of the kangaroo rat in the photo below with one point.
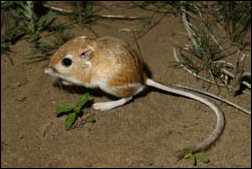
(113, 66)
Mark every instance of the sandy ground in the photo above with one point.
(148, 132)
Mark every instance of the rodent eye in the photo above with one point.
(66, 62)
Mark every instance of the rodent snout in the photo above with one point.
(49, 70)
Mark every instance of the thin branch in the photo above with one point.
(193, 73)
(245, 74)
(216, 97)
(129, 30)
(188, 26)
(57, 9)
(10, 59)
(191, 35)
(121, 17)
(152, 26)
(154, 10)
(137, 44)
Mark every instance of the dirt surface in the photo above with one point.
(148, 132)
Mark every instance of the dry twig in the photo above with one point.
(216, 97)
(152, 26)
(121, 17)
(192, 35)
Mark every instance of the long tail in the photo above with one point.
(220, 118)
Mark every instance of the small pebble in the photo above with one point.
(21, 98)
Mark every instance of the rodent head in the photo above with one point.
(72, 62)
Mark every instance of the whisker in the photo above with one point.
(59, 84)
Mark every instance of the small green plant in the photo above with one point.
(33, 25)
(4, 47)
(158, 6)
(235, 16)
(72, 111)
(10, 33)
(19, 19)
(195, 157)
(43, 50)
(84, 13)
(10, 36)
(205, 57)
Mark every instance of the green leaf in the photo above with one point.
(45, 19)
(63, 107)
(70, 120)
(26, 8)
(193, 160)
(4, 45)
(21, 3)
(81, 102)
(90, 118)
(202, 157)
(189, 155)
(41, 22)
(11, 33)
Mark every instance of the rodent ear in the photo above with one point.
(86, 55)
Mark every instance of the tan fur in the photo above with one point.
(125, 92)
(125, 64)
(113, 63)
(72, 46)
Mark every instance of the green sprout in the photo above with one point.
(32, 26)
(236, 19)
(43, 50)
(195, 157)
(72, 111)
(84, 12)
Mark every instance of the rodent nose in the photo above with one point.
(49, 70)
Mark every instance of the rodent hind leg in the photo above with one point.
(111, 104)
